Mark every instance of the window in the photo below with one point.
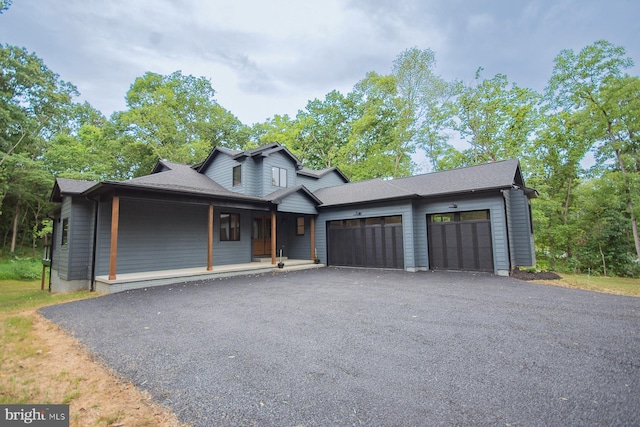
(474, 215)
(300, 226)
(229, 227)
(278, 177)
(443, 217)
(237, 175)
(65, 231)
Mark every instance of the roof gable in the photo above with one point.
(317, 174)
(262, 151)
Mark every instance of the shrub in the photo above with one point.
(18, 268)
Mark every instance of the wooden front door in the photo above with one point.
(261, 236)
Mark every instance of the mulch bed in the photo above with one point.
(540, 275)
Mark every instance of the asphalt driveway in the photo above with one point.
(337, 347)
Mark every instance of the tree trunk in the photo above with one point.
(604, 263)
(565, 217)
(15, 228)
(634, 222)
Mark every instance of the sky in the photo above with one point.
(271, 57)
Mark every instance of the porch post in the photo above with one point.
(113, 255)
(312, 232)
(210, 240)
(273, 237)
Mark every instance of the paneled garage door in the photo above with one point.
(367, 242)
(460, 241)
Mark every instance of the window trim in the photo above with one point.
(226, 222)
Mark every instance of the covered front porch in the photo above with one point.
(129, 281)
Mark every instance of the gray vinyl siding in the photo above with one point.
(221, 171)
(331, 179)
(510, 236)
(73, 260)
(520, 233)
(495, 205)
(81, 239)
(61, 253)
(297, 203)
(295, 247)
(164, 236)
(234, 252)
(399, 208)
(280, 160)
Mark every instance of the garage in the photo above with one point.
(460, 241)
(366, 242)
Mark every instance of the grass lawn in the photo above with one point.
(610, 285)
(41, 364)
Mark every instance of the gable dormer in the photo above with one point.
(255, 172)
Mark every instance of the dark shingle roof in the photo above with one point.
(475, 178)
(363, 191)
(279, 195)
(65, 186)
(180, 178)
(320, 173)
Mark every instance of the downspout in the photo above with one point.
(94, 248)
(506, 226)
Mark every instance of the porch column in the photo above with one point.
(273, 237)
(210, 240)
(113, 255)
(312, 232)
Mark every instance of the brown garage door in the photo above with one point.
(460, 241)
(367, 242)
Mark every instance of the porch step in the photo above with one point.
(268, 259)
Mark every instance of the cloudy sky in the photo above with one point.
(267, 57)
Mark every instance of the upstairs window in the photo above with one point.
(237, 175)
(278, 177)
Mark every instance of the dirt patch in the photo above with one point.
(60, 370)
(538, 275)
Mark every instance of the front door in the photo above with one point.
(261, 236)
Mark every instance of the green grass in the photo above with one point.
(16, 295)
(611, 285)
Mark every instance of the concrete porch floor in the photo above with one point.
(127, 281)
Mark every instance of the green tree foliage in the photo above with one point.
(177, 118)
(35, 105)
(593, 83)
(496, 119)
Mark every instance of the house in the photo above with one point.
(238, 207)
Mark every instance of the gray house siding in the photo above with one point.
(280, 160)
(221, 171)
(164, 236)
(80, 239)
(60, 252)
(360, 212)
(234, 252)
(495, 205)
(297, 203)
(331, 179)
(154, 236)
(294, 246)
(520, 233)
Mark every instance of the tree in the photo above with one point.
(428, 98)
(498, 121)
(593, 81)
(4, 5)
(178, 118)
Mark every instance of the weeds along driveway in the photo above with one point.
(369, 347)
